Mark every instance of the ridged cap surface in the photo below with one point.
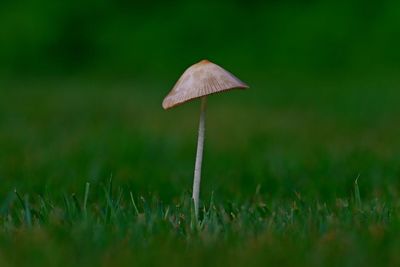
(201, 79)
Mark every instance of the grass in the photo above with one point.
(99, 174)
(115, 228)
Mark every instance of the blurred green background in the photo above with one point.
(157, 39)
(82, 85)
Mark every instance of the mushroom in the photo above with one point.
(199, 81)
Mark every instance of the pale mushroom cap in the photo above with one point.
(201, 79)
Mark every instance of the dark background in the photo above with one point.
(153, 40)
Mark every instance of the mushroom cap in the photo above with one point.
(201, 79)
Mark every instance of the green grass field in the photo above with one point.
(97, 174)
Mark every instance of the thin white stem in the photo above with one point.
(199, 157)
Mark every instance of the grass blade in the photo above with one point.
(134, 204)
(357, 196)
(85, 200)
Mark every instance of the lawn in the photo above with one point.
(295, 173)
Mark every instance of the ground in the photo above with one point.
(298, 174)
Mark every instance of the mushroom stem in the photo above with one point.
(199, 156)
